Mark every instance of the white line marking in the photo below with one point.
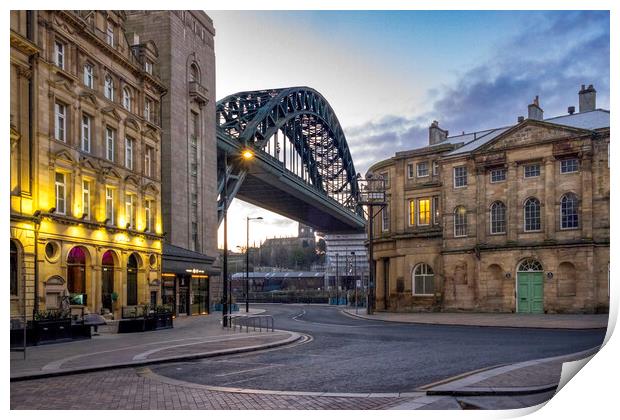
(247, 370)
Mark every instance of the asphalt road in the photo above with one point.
(355, 355)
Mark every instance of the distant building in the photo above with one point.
(184, 40)
(346, 260)
(511, 219)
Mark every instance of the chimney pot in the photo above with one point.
(571, 110)
(520, 119)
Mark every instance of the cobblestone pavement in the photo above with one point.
(127, 389)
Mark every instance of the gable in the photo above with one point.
(530, 133)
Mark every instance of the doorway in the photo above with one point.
(107, 280)
(530, 287)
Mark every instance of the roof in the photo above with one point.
(178, 260)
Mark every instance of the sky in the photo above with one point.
(389, 74)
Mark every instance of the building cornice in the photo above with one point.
(24, 45)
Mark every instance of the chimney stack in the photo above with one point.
(587, 99)
(436, 134)
(534, 111)
(571, 110)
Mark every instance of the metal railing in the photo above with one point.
(250, 321)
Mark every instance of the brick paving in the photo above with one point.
(126, 389)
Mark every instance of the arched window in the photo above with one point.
(531, 211)
(13, 265)
(569, 215)
(423, 280)
(107, 280)
(132, 280)
(530, 264)
(76, 271)
(108, 88)
(194, 73)
(460, 221)
(498, 217)
(127, 98)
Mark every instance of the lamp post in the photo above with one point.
(354, 279)
(225, 256)
(337, 283)
(247, 261)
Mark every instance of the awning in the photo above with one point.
(179, 260)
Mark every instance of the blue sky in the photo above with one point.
(388, 74)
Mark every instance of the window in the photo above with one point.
(435, 168)
(127, 98)
(532, 170)
(531, 210)
(129, 152)
(148, 66)
(386, 177)
(498, 218)
(13, 265)
(109, 143)
(86, 200)
(195, 236)
(130, 210)
(148, 215)
(410, 170)
(411, 212)
(108, 89)
(109, 205)
(422, 169)
(460, 177)
(568, 166)
(88, 76)
(498, 175)
(148, 153)
(109, 34)
(424, 211)
(59, 54)
(569, 215)
(385, 219)
(76, 271)
(460, 221)
(86, 133)
(60, 124)
(423, 280)
(436, 215)
(61, 193)
(148, 110)
(194, 74)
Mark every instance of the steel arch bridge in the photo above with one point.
(302, 167)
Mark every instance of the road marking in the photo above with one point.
(247, 370)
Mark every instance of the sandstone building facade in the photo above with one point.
(191, 279)
(85, 166)
(514, 219)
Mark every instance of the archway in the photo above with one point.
(76, 275)
(132, 280)
(107, 280)
(530, 293)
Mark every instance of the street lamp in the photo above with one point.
(354, 279)
(337, 283)
(247, 260)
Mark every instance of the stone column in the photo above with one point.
(549, 209)
(586, 196)
(513, 203)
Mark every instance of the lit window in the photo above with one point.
(60, 124)
(86, 133)
(424, 211)
(411, 212)
(460, 221)
(569, 211)
(61, 193)
(423, 280)
(109, 205)
(108, 89)
(127, 98)
(148, 215)
(129, 153)
(109, 34)
(410, 170)
(422, 169)
(498, 175)
(532, 170)
(568, 166)
(109, 143)
(86, 199)
(14, 270)
(59, 54)
(385, 219)
(531, 210)
(460, 177)
(88, 76)
(498, 217)
(130, 210)
(148, 152)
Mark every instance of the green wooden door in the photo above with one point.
(530, 296)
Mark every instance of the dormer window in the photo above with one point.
(127, 98)
(148, 66)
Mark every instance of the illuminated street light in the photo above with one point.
(247, 154)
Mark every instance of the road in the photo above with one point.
(353, 355)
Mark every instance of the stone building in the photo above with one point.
(185, 43)
(85, 167)
(512, 219)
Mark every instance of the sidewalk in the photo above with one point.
(559, 321)
(191, 337)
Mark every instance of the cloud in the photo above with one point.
(551, 57)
